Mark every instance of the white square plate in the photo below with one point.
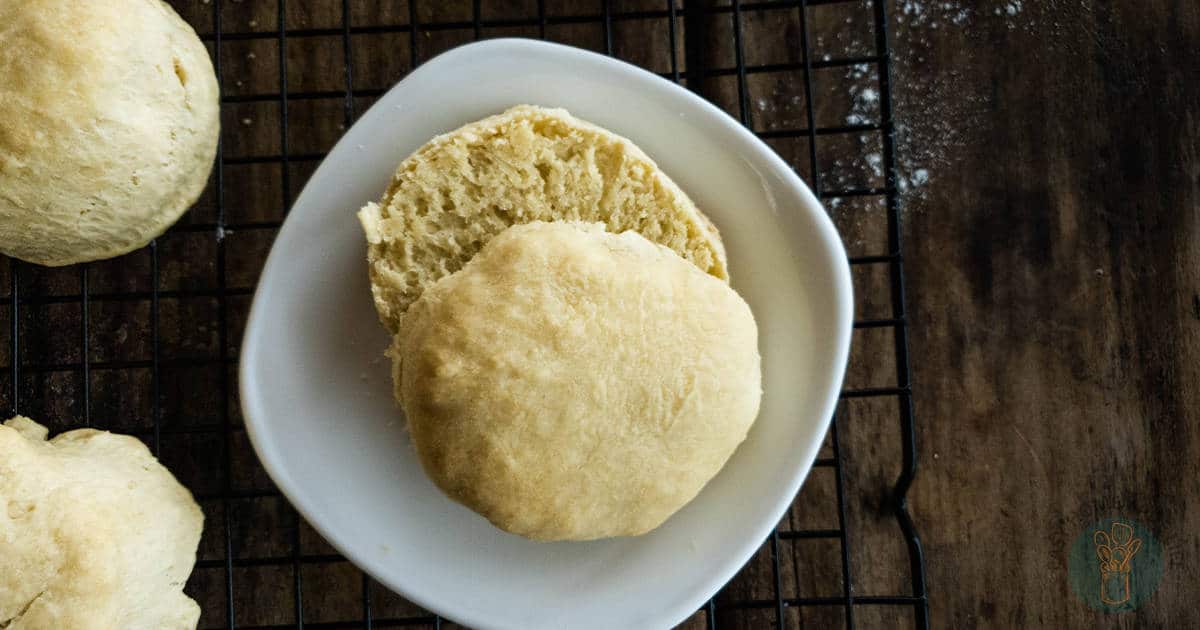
(316, 389)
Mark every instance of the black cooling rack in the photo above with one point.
(147, 343)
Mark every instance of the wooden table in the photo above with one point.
(1050, 155)
(1054, 276)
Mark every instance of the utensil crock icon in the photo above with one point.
(1115, 549)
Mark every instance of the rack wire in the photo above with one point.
(146, 344)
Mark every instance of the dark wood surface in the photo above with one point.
(1054, 276)
(1051, 224)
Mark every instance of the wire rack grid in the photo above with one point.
(147, 343)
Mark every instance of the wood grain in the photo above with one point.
(1054, 275)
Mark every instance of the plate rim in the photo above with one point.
(842, 289)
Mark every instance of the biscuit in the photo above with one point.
(573, 384)
(527, 164)
(108, 126)
(94, 533)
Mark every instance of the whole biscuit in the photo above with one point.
(572, 384)
(109, 119)
(94, 533)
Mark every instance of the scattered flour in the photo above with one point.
(1010, 8)
(940, 102)
(933, 110)
(934, 14)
